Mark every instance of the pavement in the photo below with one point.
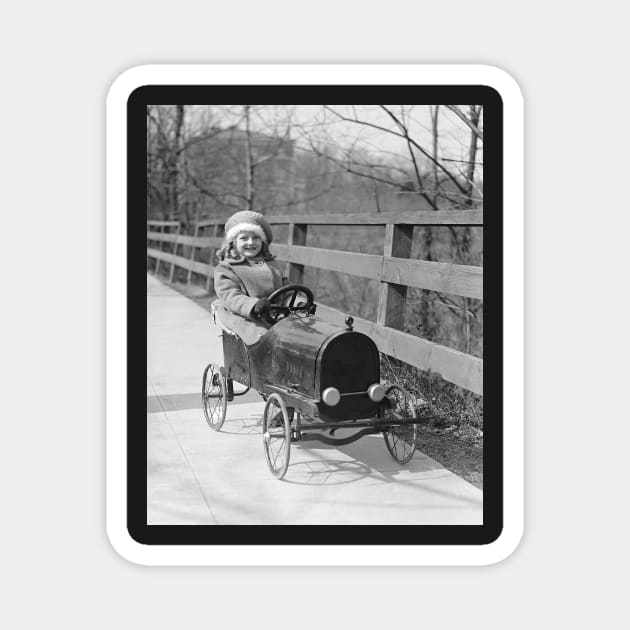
(196, 475)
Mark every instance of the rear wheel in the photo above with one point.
(214, 396)
(276, 436)
(400, 440)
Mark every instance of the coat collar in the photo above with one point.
(243, 261)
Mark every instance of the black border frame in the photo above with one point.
(492, 305)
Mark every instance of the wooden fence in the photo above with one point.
(394, 270)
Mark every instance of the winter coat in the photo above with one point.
(239, 284)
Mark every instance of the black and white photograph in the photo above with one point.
(432, 406)
(315, 313)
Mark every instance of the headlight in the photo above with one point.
(331, 396)
(376, 392)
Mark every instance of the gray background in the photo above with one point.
(58, 60)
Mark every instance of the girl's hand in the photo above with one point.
(260, 307)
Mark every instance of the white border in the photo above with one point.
(116, 283)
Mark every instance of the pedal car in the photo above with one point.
(316, 378)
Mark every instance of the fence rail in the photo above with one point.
(443, 217)
(394, 270)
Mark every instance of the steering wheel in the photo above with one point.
(283, 302)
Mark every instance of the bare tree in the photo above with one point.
(419, 169)
(240, 167)
(171, 137)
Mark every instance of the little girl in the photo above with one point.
(246, 275)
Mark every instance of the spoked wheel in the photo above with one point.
(400, 440)
(276, 435)
(214, 396)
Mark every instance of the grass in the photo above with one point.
(457, 452)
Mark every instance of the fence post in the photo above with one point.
(192, 255)
(149, 230)
(172, 270)
(297, 236)
(392, 297)
(157, 264)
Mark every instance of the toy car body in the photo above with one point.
(316, 378)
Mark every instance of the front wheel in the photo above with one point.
(276, 436)
(400, 440)
(214, 396)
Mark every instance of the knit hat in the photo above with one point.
(248, 220)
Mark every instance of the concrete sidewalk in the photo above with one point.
(200, 476)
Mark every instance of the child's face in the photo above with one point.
(248, 244)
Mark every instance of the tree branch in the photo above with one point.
(465, 120)
(429, 156)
